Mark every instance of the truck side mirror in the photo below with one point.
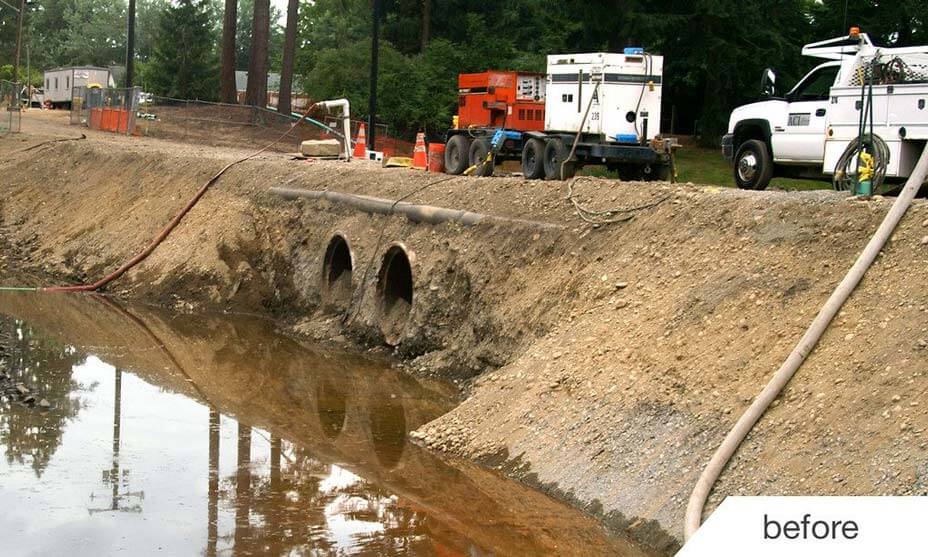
(768, 83)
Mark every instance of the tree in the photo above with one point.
(245, 31)
(426, 24)
(284, 104)
(256, 92)
(148, 17)
(228, 93)
(183, 64)
(94, 33)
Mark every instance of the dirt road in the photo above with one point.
(604, 364)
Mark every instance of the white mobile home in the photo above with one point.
(60, 82)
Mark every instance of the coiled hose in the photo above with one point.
(831, 308)
(844, 177)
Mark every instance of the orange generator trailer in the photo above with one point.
(485, 98)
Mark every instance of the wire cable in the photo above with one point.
(608, 216)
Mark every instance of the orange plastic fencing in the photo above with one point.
(109, 119)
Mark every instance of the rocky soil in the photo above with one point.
(601, 363)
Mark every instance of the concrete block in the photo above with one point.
(321, 148)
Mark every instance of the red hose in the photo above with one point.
(171, 225)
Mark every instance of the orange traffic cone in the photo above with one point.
(360, 149)
(420, 160)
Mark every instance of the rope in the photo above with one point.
(598, 218)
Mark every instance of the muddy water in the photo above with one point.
(179, 435)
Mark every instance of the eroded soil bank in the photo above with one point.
(603, 364)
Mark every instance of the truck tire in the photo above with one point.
(457, 154)
(555, 154)
(478, 154)
(627, 172)
(656, 173)
(753, 167)
(533, 157)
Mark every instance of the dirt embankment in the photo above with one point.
(607, 363)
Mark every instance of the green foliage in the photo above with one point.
(183, 63)
(94, 32)
(6, 74)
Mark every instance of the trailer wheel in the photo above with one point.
(478, 155)
(753, 167)
(533, 157)
(457, 154)
(627, 172)
(656, 172)
(555, 155)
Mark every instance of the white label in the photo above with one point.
(812, 527)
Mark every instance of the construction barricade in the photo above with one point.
(111, 110)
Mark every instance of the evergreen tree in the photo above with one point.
(184, 62)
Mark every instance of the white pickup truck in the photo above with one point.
(804, 133)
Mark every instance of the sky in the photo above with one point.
(281, 6)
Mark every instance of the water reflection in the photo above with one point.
(216, 436)
(31, 437)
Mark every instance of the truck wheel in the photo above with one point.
(457, 154)
(656, 172)
(629, 172)
(555, 154)
(533, 156)
(478, 154)
(753, 167)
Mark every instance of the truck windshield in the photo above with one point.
(816, 86)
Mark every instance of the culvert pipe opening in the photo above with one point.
(336, 271)
(395, 291)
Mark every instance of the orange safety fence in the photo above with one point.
(109, 119)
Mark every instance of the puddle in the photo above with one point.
(178, 435)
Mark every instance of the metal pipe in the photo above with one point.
(796, 358)
(416, 213)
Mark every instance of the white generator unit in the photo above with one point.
(600, 109)
(625, 90)
(60, 83)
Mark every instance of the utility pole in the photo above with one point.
(130, 46)
(28, 79)
(19, 45)
(375, 61)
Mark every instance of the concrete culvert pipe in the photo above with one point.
(337, 267)
(395, 292)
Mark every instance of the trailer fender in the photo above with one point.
(534, 135)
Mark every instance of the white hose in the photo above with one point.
(757, 408)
